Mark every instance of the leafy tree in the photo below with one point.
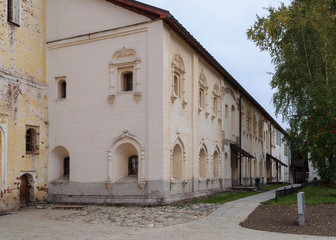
(301, 39)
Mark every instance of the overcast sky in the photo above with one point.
(220, 26)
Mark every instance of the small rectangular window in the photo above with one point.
(13, 11)
(128, 81)
(32, 139)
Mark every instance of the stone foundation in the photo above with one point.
(129, 192)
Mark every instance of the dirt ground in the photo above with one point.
(319, 220)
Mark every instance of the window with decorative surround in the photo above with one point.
(178, 72)
(203, 87)
(124, 74)
(216, 102)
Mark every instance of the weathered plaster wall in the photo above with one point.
(23, 102)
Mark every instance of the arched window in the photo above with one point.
(216, 167)
(203, 87)
(177, 162)
(61, 87)
(202, 164)
(30, 141)
(133, 165)
(178, 72)
(127, 81)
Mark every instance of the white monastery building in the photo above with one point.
(141, 113)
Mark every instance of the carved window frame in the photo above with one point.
(177, 141)
(178, 79)
(124, 61)
(216, 102)
(203, 93)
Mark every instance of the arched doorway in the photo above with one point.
(59, 164)
(24, 191)
(126, 155)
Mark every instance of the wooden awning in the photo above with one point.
(240, 150)
(275, 159)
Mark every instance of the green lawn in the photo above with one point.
(223, 197)
(316, 194)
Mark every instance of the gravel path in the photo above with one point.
(140, 216)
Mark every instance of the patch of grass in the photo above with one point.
(223, 197)
(316, 194)
(273, 186)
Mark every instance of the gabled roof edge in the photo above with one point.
(141, 8)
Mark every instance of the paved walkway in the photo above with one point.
(221, 224)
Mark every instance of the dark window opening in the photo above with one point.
(133, 165)
(66, 167)
(30, 141)
(128, 81)
(63, 89)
